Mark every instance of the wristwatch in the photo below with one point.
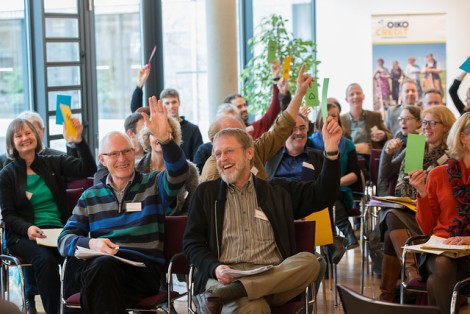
(334, 153)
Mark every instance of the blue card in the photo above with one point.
(64, 100)
(466, 66)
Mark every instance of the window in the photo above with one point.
(185, 52)
(118, 60)
(14, 88)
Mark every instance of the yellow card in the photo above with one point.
(67, 114)
(323, 232)
(286, 67)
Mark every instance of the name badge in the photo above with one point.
(249, 129)
(442, 159)
(307, 165)
(260, 215)
(254, 170)
(133, 207)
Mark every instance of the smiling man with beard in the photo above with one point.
(242, 222)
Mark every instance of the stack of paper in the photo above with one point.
(404, 201)
(435, 245)
(84, 253)
(242, 273)
(51, 237)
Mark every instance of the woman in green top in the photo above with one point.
(33, 199)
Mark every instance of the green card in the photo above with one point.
(414, 153)
(311, 98)
(324, 97)
(272, 45)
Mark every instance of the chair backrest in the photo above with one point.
(174, 230)
(305, 235)
(72, 197)
(374, 163)
(355, 303)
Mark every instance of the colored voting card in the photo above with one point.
(286, 67)
(414, 153)
(466, 66)
(70, 130)
(311, 98)
(152, 54)
(324, 97)
(272, 45)
(61, 100)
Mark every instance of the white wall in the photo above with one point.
(345, 42)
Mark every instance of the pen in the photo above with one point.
(41, 233)
(116, 248)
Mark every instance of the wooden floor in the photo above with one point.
(349, 270)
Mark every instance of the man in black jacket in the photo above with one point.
(240, 222)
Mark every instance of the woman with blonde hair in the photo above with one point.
(443, 205)
(398, 225)
(153, 161)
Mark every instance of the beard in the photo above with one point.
(231, 178)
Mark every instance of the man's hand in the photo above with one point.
(79, 128)
(283, 86)
(394, 145)
(223, 278)
(275, 69)
(331, 133)
(417, 180)
(305, 111)
(103, 245)
(377, 135)
(157, 123)
(304, 81)
(34, 233)
(143, 75)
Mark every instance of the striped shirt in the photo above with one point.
(247, 235)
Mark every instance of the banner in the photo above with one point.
(411, 47)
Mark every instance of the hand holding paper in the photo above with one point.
(103, 245)
(72, 127)
(417, 180)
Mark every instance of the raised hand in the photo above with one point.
(78, 128)
(157, 123)
(304, 81)
(143, 75)
(275, 69)
(331, 133)
(393, 145)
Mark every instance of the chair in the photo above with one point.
(72, 197)
(460, 288)
(415, 285)
(305, 242)
(80, 183)
(374, 163)
(175, 263)
(355, 303)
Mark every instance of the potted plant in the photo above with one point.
(257, 73)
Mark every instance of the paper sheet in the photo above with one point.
(51, 237)
(84, 253)
(242, 273)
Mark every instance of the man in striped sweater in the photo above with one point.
(124, 215)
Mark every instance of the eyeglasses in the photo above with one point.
(301, 128)
(431, 123)
(115, 155)
(407, 119)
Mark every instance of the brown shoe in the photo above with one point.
(208, 303)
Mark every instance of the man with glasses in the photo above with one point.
(124, 215)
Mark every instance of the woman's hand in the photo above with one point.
(35, 232)
(394, 145)
(457, 240)
(78, 128)
(417, 180)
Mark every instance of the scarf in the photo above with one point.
(461, 225)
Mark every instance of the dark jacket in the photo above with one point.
(17, 210)
(281, 200)
(315, 157)
(453, 92)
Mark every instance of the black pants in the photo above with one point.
(109, 286)
(45, 261)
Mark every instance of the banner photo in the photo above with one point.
(407, 47)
